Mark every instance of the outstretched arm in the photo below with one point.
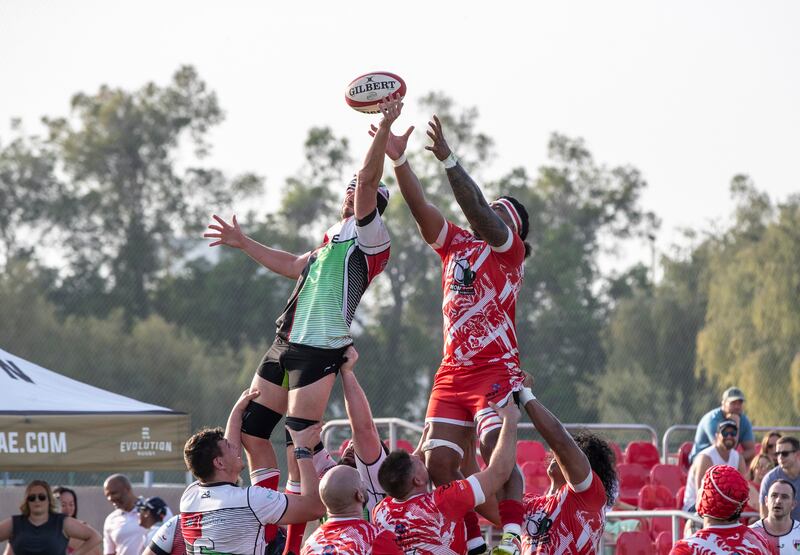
(233, 429)
(429, 220)
(365, 436)
(479, 214)
(280, 262)
(573, 462)
(504, 455)
(370, 174)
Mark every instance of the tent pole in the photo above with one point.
(148, 478)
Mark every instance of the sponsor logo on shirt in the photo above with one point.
(463, 278)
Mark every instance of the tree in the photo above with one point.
(752, 325)
(127, 207)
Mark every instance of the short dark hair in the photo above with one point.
(790, 439)
(601, 459)
(200, 451)
(524, 221)
(58, 490)
(396, 473)
(788, 483)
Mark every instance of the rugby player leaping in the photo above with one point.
(481, 276)
(313, 331)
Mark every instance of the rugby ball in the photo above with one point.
(366, 91)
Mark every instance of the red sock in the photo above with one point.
(267, 478)
(294, 532)
(512, 513)
(474, 536)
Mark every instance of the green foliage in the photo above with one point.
(752, 325)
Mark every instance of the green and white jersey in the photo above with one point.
(324, 301)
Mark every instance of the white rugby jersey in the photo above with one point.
(227, 519)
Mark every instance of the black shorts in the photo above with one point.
(292, 365)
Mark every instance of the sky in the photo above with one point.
(691, 93)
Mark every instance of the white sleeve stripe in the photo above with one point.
(442, 236)
(507, 245)
(477, 490)
(584, 485)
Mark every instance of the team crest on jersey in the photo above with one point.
(796, 545)
(463, 278)
(538, 527)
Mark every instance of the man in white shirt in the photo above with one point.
(122, 534)
(780, 529)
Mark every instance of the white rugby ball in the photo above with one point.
(366, 91)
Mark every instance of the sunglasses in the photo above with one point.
(728, 434)
(33, 497)
(783, 453)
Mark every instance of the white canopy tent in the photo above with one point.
(51, 422)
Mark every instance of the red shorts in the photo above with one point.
(461, 396)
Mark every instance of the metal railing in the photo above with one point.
(606, 427)
(684, 427)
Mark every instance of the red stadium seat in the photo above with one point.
(618, 456)
(660, 524)
(643, 453)
(530, 450)
(683, 455)
(679, 497)
(664, 543)
(536, 480)
(655, 497)
(635, 543)
(631, 479)
(669, 476)
(405, 445)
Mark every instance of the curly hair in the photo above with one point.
(601, 459)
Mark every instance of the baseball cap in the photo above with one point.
(733, 394)
(155, 504)
(727, 424)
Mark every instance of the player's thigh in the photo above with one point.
(270, 395)
(310, 401)
(311, 374)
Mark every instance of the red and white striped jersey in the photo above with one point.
(724, 539)
(786, 544)
(351, 536)
(480, 284)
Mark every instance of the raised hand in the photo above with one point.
(245, 398)
(439, 146)
(396, 145)
(306, 438)
(509, 412)
(390, 107)
(226, 234)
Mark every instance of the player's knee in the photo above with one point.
(259, 421)
(298, 424)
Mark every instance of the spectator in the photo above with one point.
(152, 512)
(345, 531)
(768, 446)
(122, 534)
(732, 409)
(780, 529)
(40, 529)
(723, 452)
(722, 496)
(168, 540)
(759, 468)
(218, 515)
(788, 469)
(67, 500)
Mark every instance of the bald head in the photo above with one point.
(118, 479)
(118, 491)
(341, 490)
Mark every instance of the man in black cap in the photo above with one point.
(152, 512)
(722, 452)
(732, 408)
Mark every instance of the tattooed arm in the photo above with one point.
(481, 217)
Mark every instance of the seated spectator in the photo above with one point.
(768, 444)
(722, 496)
(788, 469)
(345, 531)
(152, 512)
(732, 409)
(759, 468)
(722, 452)
(41, 529)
